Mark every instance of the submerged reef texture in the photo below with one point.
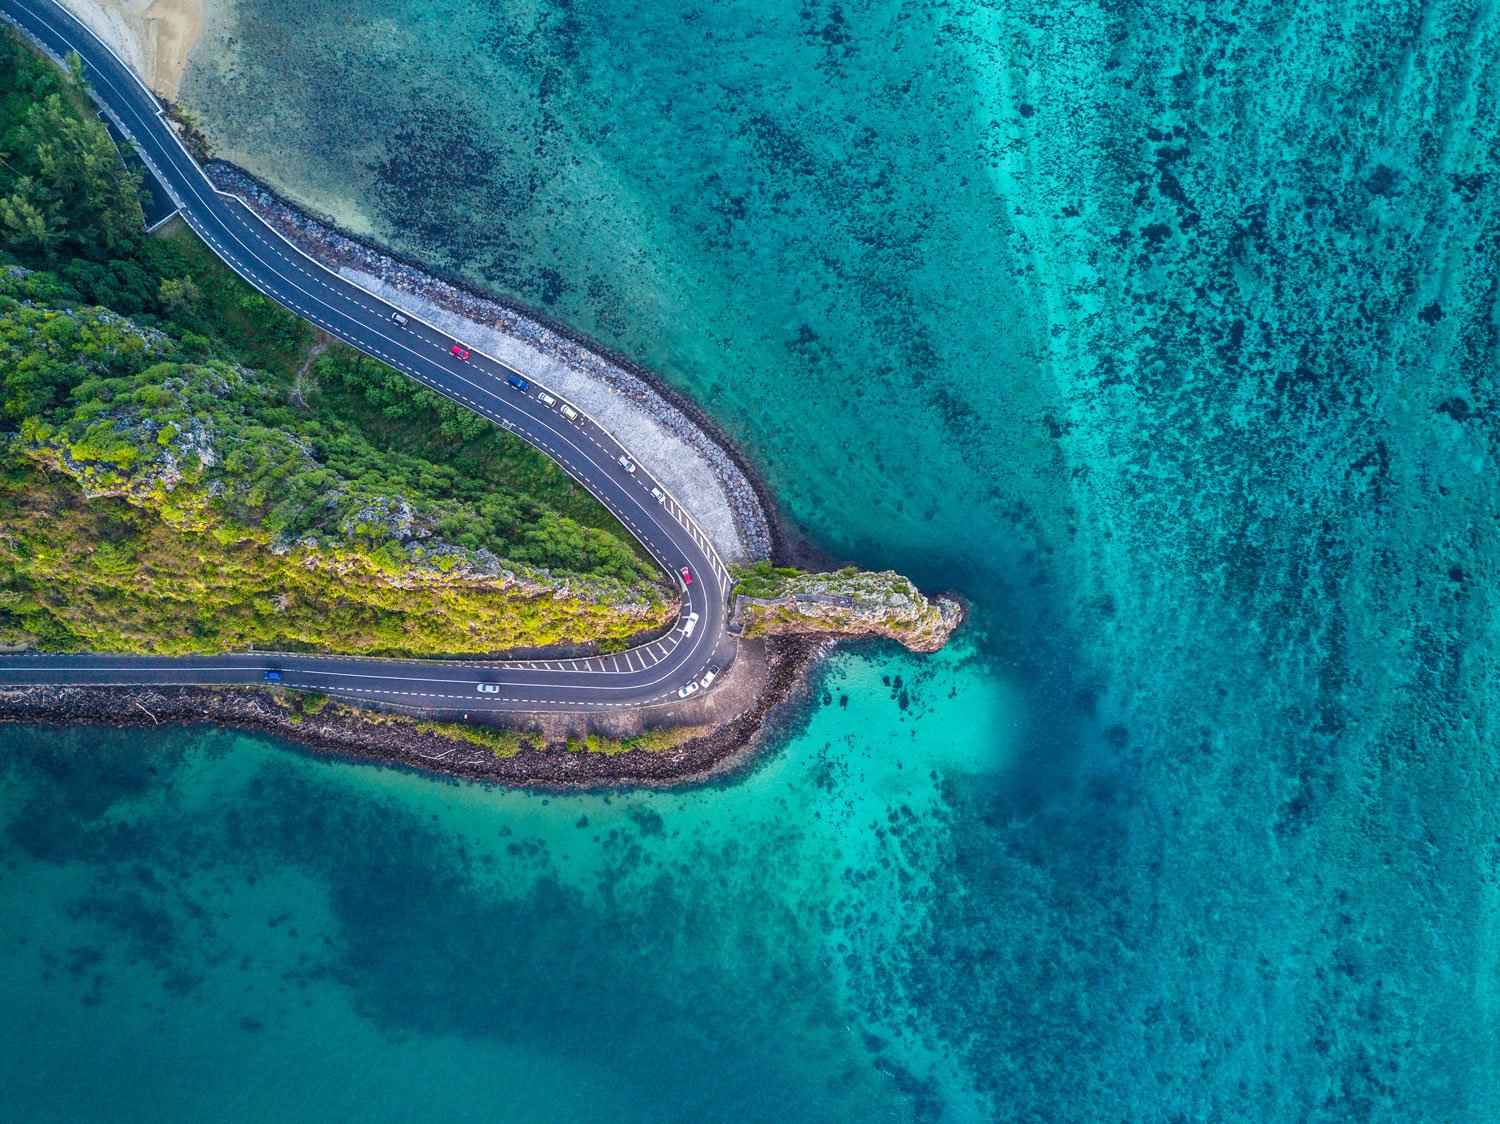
(1164, 333)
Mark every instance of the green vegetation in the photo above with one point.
(651, 741)
(508, 743)
(198, 293)
(183, 467)
(64, 196)
(402, 419)
(762, 579)
(845, 602)
(502, 743)
(658, 741)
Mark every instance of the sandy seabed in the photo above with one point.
(153, 36)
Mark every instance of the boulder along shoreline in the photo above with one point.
(360, 734)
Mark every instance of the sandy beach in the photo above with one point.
(154, 36)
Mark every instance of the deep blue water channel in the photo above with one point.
(1165, 333)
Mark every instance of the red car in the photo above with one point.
(687, 576)
(460, 351)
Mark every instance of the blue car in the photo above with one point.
(518, 382)
(273, 677)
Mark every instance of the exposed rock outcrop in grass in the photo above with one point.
(779, 601)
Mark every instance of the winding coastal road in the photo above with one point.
(648, 674)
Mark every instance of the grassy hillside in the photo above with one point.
(184, 467)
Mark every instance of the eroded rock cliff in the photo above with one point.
(846, 602)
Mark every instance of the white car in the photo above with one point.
(546, 399)
(627, 464)
(708, 678)
(397, 318)
(658, 495)
(690, 689)
(568, 412)
(489, 688)
(689, 623)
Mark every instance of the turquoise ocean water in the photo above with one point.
(1165, 333)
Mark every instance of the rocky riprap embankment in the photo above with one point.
(355, 733)
(851, 603)
(626, 383)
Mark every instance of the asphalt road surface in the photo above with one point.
(647, 674)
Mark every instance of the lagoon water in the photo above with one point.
(1165, 334)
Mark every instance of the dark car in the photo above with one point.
(460, 351)
(518, 382)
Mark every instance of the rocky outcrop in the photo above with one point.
(850, 603)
